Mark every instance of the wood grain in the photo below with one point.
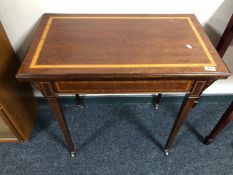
(97, 45)
(94, 87)
(17, 104)
(121, 54)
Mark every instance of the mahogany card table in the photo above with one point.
(97, 54)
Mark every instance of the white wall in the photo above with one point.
(20, 18)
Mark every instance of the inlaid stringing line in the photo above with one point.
(41, 43)
(201, 42)
(47, 27)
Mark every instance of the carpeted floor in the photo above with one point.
(123, 139)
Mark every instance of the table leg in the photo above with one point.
(225, 119)
(79, 101)
(54, 104)
(47, 90)
(195, 103)
(157, 100)
(188, 102)
(226, 38)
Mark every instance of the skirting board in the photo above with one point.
(130, 99)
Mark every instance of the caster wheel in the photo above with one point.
(166, 152)
(207, 141)
(72, 154)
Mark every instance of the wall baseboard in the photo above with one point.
(86, 100)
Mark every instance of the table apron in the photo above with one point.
(123, 86)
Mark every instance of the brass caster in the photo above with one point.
(207, 140)
(166, 152)
(80, 106)
(72, 154)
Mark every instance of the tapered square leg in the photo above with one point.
(185, 107)
(58, 114)
(157, 100)
(187, 104)
(47, 90)
(79, 101)
(222, 46)
(225, 119)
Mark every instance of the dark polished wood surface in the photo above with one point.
(224, 120)
(97, 45)
(17, 104)
(121, 54)
(227, 117)
(226, 38)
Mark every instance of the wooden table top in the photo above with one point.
(70, 46)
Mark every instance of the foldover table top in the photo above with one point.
(73, 46)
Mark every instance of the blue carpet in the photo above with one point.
(123, 139)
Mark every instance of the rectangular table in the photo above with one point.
(93, 54)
